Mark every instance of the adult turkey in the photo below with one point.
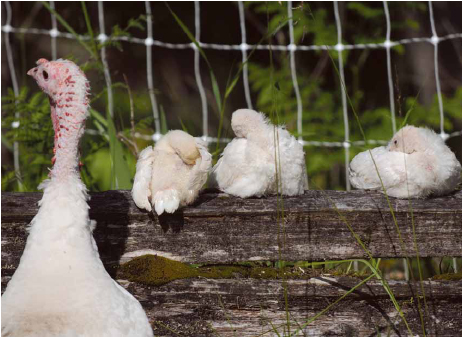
(61, 287)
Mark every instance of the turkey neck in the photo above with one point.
(68, 113)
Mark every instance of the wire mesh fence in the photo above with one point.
(149, 42)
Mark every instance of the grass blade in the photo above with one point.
(215, 86)
(70, 30)
(120, 172)
(407, 115)
(97, 116)
(89, 28)
(164, 128)
(333, 304)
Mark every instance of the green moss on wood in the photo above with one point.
(157, 271)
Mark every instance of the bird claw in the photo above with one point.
(159, 207)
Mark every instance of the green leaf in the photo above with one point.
(97, 116)
(70, 29)
(23, 93)
(184, 128)
(216, 90)
(101, 129)
(136, 23)
(215, 86)
(364, 10)
(413, 24)
(36, 99)
(404, 123)
(120, 172)
(232, 85)
(164, 129)
(6, 143)
(89, 28)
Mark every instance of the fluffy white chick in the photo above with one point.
(248, 164)
(171, 174)
(416, 163)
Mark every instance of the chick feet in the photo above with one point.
(166, 200)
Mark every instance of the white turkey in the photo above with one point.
(416, 163)
(171, 174)
(250, 162)
(61, 287)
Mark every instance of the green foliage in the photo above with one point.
(107, 163)
(322, 118)
(366, 11)
(106, 157)
(118, 32)
(34, 136)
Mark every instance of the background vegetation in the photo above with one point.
(111, 152)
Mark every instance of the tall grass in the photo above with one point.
(220, 99)
(120, 172)
(373, 265)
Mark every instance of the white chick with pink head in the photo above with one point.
(61, 287)
(416, 163)
(171, 174)
(261, 160)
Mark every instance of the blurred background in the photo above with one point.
(109, 147)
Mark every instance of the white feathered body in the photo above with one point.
(61, 287)
(434, 170)
(249, 165)
(171, 174)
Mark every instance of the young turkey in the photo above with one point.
(416, 163)
(171, 174)
(250, 162)
(61, 287)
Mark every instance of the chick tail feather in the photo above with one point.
(198, 176)
(166, 200)
(141, 191)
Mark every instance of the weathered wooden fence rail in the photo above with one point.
(223, 229)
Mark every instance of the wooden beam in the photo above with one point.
(249, 307)
(223, 229)
(219, 228)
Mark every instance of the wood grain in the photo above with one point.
(224, 229)
(249, 307)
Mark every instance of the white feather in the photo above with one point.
(250, 162)
(166, 200)
(419, 164)
(61, 287)
(141, 191)
(176, 172)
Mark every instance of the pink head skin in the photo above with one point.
(67, 89)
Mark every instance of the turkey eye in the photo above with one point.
(45, 75)
(395, 142)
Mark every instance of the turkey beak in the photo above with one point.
(32, 72)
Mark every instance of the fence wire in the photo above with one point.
(149, 71)
(292, 48)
